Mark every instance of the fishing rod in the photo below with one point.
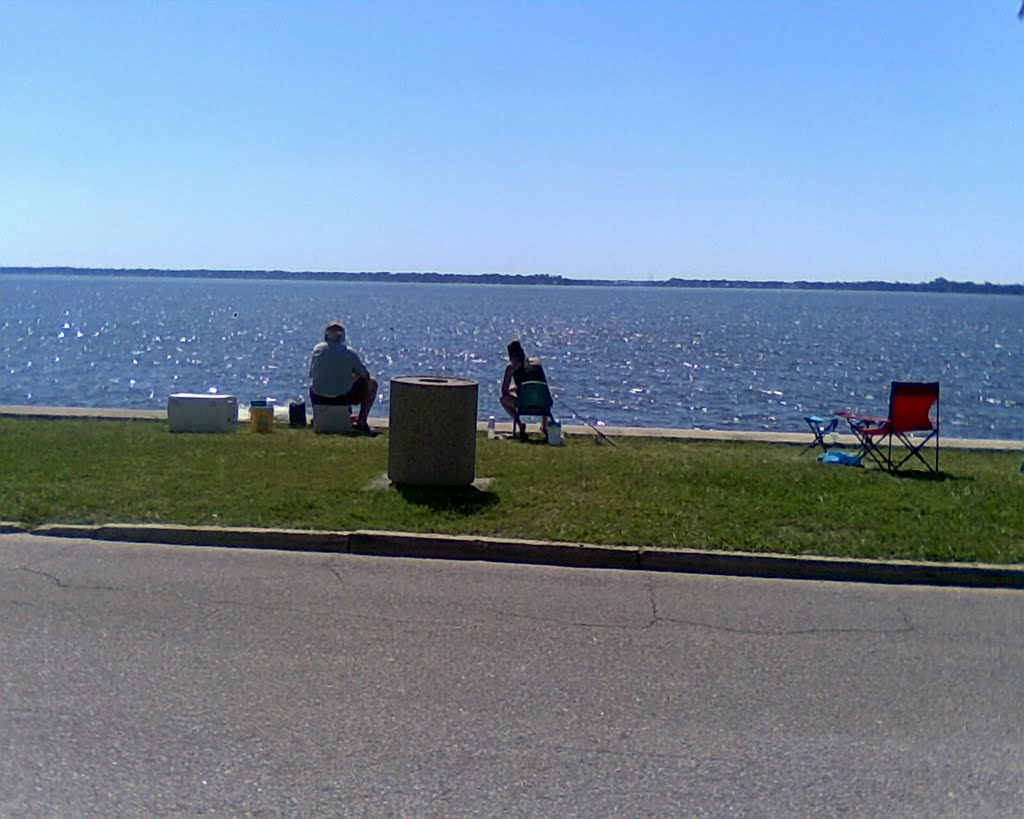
(585, 421)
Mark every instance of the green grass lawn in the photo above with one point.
(655, 492)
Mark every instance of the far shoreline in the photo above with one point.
(937, 285)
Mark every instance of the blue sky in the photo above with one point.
(738, 139)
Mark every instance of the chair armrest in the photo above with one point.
(854, 416)
(866, 425)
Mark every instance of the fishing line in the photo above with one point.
(579, 417)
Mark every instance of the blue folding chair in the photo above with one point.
(820, 429)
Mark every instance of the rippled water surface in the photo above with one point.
(739, 359)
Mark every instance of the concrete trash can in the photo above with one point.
(432, 431)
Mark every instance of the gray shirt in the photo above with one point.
(334, 368)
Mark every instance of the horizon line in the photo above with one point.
(938, 282)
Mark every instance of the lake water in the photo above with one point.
(649, 357)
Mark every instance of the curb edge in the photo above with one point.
(376, 543)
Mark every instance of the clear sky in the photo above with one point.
(638, 139)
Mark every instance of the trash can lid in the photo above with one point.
(434, 381)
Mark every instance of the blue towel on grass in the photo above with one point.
(837, 458)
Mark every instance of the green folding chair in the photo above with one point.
(532, 400)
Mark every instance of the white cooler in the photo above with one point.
(332, 419)
(195, 412)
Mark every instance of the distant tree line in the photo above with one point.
(938, 285)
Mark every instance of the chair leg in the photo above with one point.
(819, 440)
(871, 448)
(914, 451)
(879, 456)
(871, 444)
(820, 432)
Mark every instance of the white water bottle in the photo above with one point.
(491, 435)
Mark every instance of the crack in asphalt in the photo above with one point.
(906, 628)
(334, 613)
(787, 632)
(656, 619)
(653, 598)
(60, 584)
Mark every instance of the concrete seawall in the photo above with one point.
(281, 418)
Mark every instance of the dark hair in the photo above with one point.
(515, 350)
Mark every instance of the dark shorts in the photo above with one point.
(353, 396)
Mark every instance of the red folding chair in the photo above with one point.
(913, 408)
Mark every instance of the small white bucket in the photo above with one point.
(554, 433)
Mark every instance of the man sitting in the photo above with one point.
(338, 376)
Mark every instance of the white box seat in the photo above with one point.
(332, 419)
(196, 412)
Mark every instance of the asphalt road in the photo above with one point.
(158, 680)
